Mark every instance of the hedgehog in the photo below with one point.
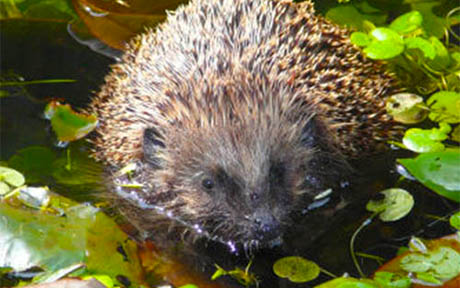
(234, 116)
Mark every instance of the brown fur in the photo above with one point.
(264, 98)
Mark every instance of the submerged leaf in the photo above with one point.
(35, 162)
(68, 124)
(396, 204)
(439, 171)
(296, 269)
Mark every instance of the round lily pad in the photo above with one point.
(296, 269)
(11, 177)
(386, 44)
(396, 204)
(406, 108)
(438, 171)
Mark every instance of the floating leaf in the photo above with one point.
(11, 177)
(349, 282)
(392, 280)
(445, 107)
(296, 269)
(406, 108)
(360, 39)
(423, 140)
(439, 171)
(422, 44)
(407, 22)
(68, 124)
(33, 238)
(386, 44)
(454, 220)
(440, 264)
(396, 204)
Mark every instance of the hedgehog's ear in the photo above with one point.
(311, 133)
(152, 143)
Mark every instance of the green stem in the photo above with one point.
(48, 81)
(352, 243)
(373, 257)
(327, 273)
(68, 166)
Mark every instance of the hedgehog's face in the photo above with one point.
(241, 191)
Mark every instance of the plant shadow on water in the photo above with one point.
(324, 238)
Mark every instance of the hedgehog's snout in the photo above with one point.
(266, 226)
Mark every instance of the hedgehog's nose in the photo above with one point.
(267, 227)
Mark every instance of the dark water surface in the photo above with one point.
(37, 51)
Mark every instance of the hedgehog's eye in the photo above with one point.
(208, 183)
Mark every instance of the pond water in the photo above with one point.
(36, 51)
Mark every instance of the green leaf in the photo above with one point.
(67, 124)
(189, 286)
(386, 44)
(442, 59)
(424, 140)
(392, 280)
(454, 220)
(34, 162)
(296, 269)
(440, 264)
(423, 45)
(33, 238)
(76, 168)
(406, 108)
(360, 39)
(348, 15)
(432, 23)
(348, 282)
(428, 278)
(439, 171)
(445, 107)
(11, 177)
(407, 22)
(396, 204)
